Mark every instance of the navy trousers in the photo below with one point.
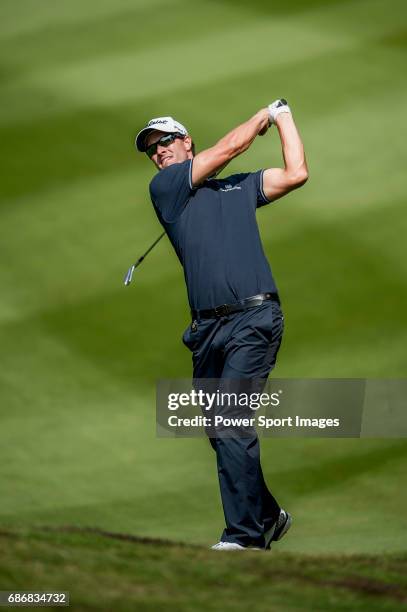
(242, 346)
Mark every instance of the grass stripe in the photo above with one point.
(131, 75)
(30, 16)
(132, 30)
(99, 141)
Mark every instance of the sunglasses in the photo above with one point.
(164, 141)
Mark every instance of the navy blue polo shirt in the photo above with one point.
(214, 232)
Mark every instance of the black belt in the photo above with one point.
(226, 309)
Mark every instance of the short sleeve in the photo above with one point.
(261, 197)
(171, 189)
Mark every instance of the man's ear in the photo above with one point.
(188, 143)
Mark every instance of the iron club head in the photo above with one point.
(129, 275)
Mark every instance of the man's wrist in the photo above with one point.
(264, 120)
(283, 116)
(262, 115)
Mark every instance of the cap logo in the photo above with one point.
(154, 121)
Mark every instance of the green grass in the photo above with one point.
(80, 354)
(139, 574)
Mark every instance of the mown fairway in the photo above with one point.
(80, 353)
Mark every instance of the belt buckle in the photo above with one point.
(222, 311)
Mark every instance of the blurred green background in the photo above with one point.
(80, 354)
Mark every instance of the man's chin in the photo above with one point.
(167, 162)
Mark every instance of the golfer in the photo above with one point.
(237, 322)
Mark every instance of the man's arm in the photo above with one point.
(209, 162)
(279, 181)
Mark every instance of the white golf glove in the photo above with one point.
(277, 107)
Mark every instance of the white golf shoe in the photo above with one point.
(232, 546)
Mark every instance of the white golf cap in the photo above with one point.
(163, 124)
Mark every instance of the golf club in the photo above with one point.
(129, 274)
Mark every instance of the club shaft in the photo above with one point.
(140, 259)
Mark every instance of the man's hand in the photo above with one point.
(277, 107)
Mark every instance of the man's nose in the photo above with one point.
(161, 148)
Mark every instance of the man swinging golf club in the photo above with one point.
(237, 323)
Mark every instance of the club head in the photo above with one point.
(129, 275)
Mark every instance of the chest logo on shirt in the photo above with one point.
(228, 187)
